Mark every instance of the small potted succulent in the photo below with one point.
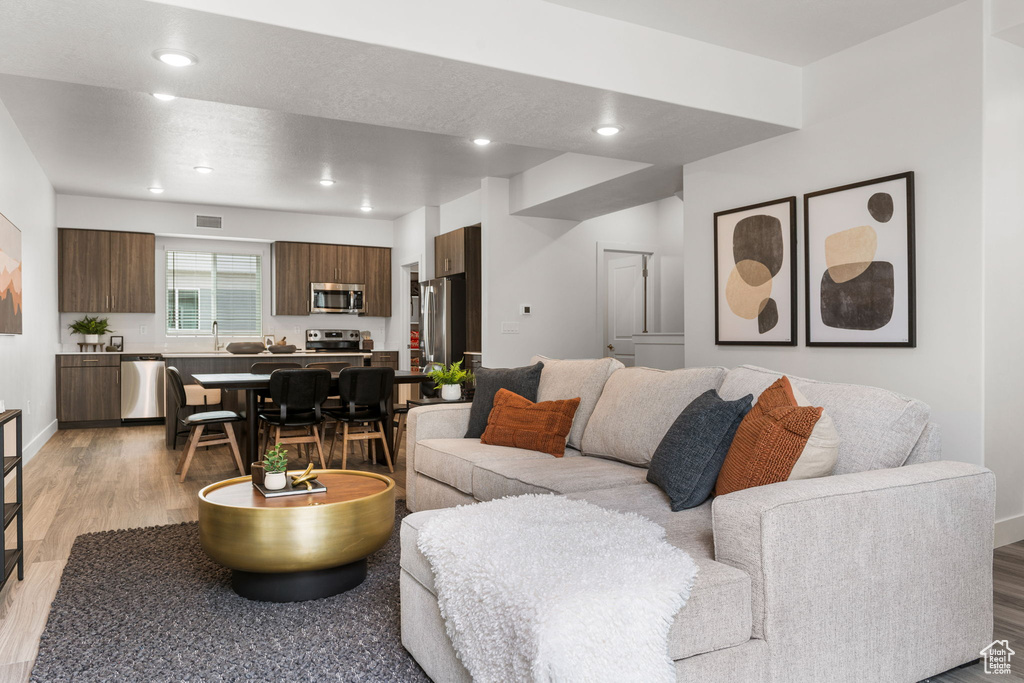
(91, 327)
(449, 380)
(275, 466)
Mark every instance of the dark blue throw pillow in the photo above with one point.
(686, 463)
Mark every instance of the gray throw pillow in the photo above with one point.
(523, 381)
(687, 461)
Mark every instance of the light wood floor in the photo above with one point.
(86, 480)
(100, 479)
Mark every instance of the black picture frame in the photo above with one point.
(790, 252)
(811, 261)
(117, 341)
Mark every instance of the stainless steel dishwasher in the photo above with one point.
(142, 387)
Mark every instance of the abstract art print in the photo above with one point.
(755, 274)
(859, 247)
(10, 278)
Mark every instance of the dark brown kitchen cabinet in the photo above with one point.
(291, 262)
(88, 390)
(106, 272)
(336, 263)
(458, 253)
(351, 265)
(384, 359)
(377, 294)
(450, 253)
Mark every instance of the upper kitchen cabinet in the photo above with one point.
(291, 262)
(336, 263)
(450, 253)
(106, 272)
(377, 295)
(297, 265)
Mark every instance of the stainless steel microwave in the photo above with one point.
(332, 297)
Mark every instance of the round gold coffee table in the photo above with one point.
(302, 547)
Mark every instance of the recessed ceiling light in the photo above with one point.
(164, 97)
(483, 142)
(608, 130)
(326, 182)
(156, 190)
(175, 57)
(203, 169)
(366, 208)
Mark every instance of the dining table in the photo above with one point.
(251, 384)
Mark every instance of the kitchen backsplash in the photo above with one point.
(144, 332)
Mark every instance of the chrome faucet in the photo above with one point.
(216, 337)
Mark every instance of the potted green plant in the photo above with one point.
(275, 465)
(449, 380)
(91, 327)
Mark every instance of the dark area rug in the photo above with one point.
(149, 605)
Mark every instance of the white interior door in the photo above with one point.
(625, 311)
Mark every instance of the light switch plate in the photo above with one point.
(510, 328)
(142, 329)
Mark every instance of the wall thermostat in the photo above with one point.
(525, 309)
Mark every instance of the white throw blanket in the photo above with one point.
(543, 588)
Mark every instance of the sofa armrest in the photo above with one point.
(431, 422)
(879, 575)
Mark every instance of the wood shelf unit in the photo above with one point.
(14, 512)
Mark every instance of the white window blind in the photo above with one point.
(203, 287)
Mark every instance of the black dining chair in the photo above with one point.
(299, 394)
(364, 393)
(401, 412)
(262, 395)
(197, 423)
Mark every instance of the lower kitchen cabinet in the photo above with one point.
(384, 359)
(89, 390)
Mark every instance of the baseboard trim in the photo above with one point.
(38, 441)
(1009, 530)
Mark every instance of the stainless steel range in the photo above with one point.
(332, 340)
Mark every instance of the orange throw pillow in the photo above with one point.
(769, 440)
(521, 423)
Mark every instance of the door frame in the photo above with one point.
(653, 291)
(404, 295)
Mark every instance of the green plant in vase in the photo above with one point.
(91, 327)
(449, 380)
(275, 465)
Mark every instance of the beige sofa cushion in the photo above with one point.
(583, 379)
(877, 427)
(821, 451)
(497, 478)
(637, 407)
(451, 461)
(717, 614)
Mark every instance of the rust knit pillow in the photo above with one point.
(769, 440)
(521, 423)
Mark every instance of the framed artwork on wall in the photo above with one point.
(755, 274)
(859, 263)
(10, 278)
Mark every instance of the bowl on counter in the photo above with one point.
(245, 347)
(282, 348)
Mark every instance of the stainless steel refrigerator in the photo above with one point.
(443, 320)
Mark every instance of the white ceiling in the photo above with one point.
(796, 32)
(270, 107)
(115, 143)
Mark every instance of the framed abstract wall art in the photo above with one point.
(755, 274)
(859, 263)
(10, 278)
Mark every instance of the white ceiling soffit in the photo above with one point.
(113, 143)
(1007, 21)
(268, 67)
(796, 32)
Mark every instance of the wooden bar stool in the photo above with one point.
(197, 424)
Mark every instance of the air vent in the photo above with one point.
(209, 222)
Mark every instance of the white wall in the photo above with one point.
(414, 243)
(907, 100)
(27, 374)
(552, 265)
(248, 231)
(461, 212)
(1004, 291)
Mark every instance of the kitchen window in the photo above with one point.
(203, 287)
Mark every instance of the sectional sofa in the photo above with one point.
(880, 572)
